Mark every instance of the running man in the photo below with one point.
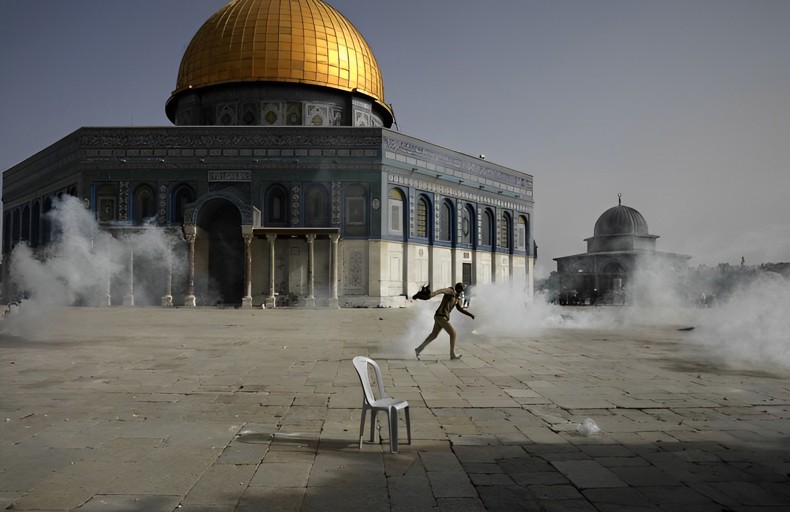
(441, 319)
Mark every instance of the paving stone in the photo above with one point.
(479, 479)
(543, 436)
(586, 474)
(460, 505)
(539, 478)
(482, 467)
(644, 476)
(121, 503)
(69, 488)
(175, 473)
(451, 484)
(525, 464)
(582, 402)
(472, 437)
(568, 506)
(282, 474)
(513, 498)
(545, 492)
(621, 462)
(622, 496)
(607, 450)
(321, 499)
(275, 499)
(221, 486)
(412, 492)
(347, 474)
(674, 496)
(736, 494)
(437, 461)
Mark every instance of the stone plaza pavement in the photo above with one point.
(156, 410)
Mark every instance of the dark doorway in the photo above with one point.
(466, 273)
(221, 221)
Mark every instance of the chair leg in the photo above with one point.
(362, 426)
(373, 425)
(408, 424)
(393, 417)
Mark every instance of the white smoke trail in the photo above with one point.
(79, 265)
(751, 325)
(74, 266)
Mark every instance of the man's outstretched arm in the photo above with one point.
(464, 311)
(444, 291)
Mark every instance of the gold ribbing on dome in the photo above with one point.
(303, 41)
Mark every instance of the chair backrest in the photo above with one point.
(362, 365)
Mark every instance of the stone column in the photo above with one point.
(270, 300)
(167, 300)
(108, 298)
(310, 303)
(333, 261)
(190, 232)
(246, 232)
(128, 300)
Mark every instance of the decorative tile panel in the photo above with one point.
(123, 200)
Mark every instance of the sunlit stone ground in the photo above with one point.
(149, 409)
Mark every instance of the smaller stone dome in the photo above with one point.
(620, 220)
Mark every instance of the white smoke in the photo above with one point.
(751, 325)
(75, 265)
(82, 264)
(504, 310)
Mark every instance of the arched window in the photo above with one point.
(356, 218)
(423, 220)
(144, 204)
(505, 231)
(446, 222)
(106, 197)
(276, 206)
(522, 233)
(487, 228)
(317, 206)
(468, 225)
(396, 211)
(181, 196)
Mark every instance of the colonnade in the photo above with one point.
(248, 234)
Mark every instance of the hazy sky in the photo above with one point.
(681, 106)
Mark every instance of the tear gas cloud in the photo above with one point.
(749, 326)
(83, 264)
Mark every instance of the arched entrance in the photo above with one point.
(613, 282)
(219, 225)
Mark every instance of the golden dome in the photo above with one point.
(301, 41)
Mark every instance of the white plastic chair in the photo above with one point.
(384, 403)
